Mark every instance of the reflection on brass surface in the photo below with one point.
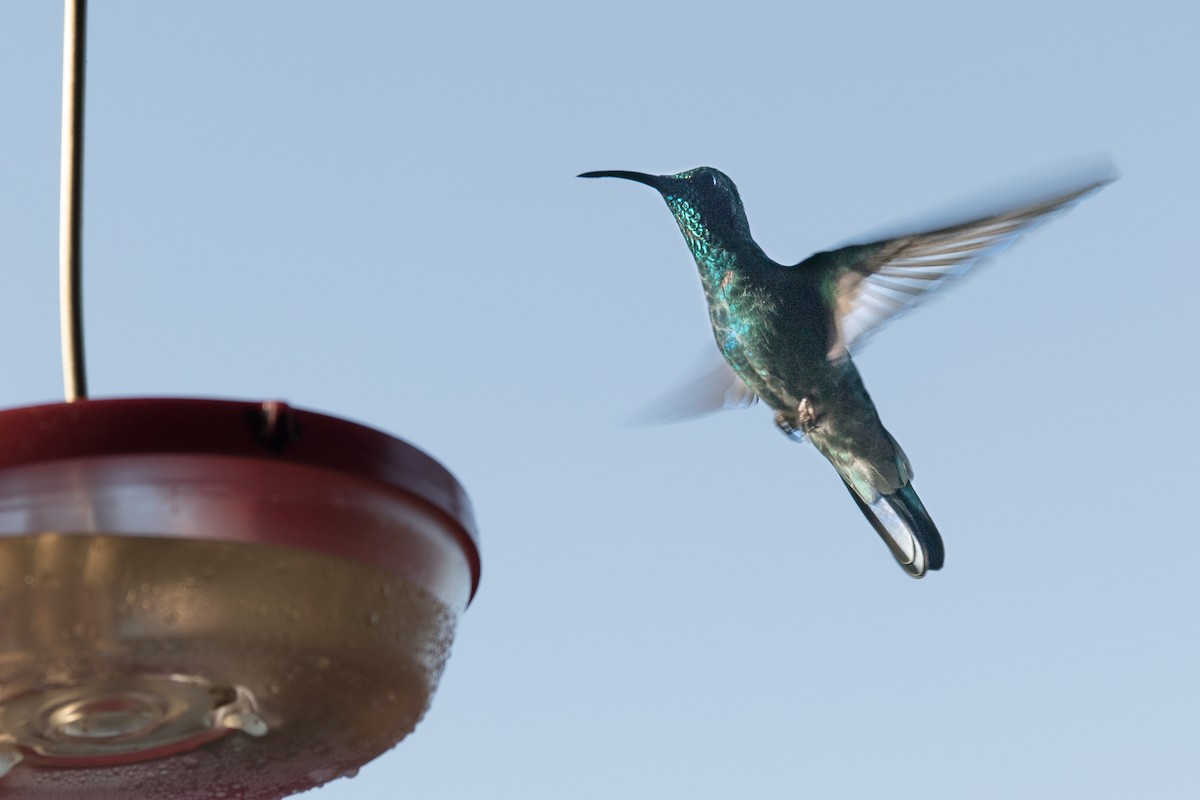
(341, 658)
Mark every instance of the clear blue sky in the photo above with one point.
(368, 208)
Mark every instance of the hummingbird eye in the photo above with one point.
(714, 179)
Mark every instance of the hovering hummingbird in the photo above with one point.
(787, 332)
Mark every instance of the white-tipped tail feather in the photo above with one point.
(902, 522)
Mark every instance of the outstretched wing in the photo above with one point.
(874, 283)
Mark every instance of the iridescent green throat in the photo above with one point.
(713, 259)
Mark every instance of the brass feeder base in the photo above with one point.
(339, 671)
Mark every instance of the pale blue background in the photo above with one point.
(369, 208)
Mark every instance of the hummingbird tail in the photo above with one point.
(902, 522)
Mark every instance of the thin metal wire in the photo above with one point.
(70, 210)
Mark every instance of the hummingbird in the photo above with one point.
(787, 333)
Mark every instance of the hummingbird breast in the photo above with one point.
(772, 334)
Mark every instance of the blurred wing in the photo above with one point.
(874, 283)
(717, 387)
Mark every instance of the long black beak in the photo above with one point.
(654, 181)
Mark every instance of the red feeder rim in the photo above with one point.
(271, 431)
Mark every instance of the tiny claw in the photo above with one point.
(804, 424)
(807, 415)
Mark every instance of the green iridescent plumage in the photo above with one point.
(787, 332)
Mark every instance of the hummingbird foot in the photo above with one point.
(807, 415)
(805, 422)
(789, 430)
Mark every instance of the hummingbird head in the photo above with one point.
(704, 201)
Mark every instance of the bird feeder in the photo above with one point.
(210, 598)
